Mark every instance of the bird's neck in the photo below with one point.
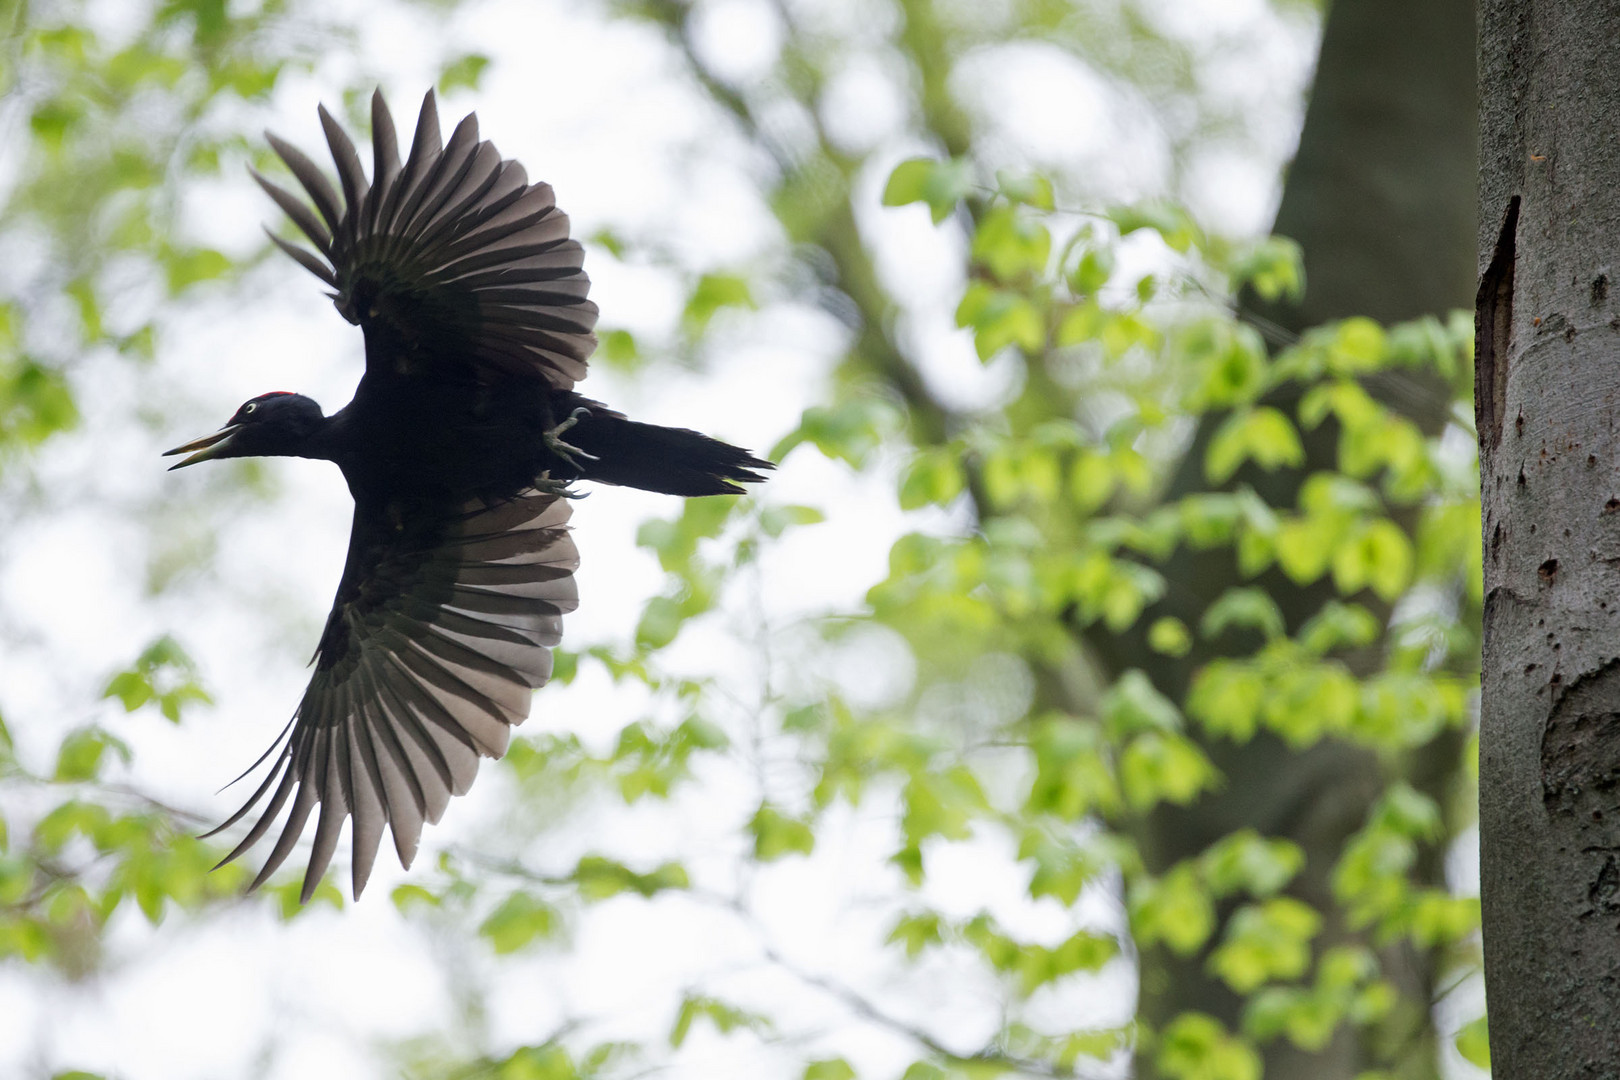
(323, 441)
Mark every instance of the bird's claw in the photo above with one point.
(546, 485)
(567, 451)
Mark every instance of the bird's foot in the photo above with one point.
(545, 484)
(567, 451)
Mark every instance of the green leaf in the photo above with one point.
(1062, 869)
(849, 431)
(1339, 626)
(999, 318)
(619, 349)
(1266, 942)
(1242, 607)
(463, 73)
(131, 688)
(1032, 189)
(1162, 767)
(81, 753)
(1273, 267)
(1244, 860)
(661, 620)
(1171, 222)
(1226, 697)
(940, 184)
(1194, 1046)
(934, 477)
(188, 267)
(776, 834)
(725, 1018)
(1261, 434)
(1012, 246)
(1170, 636)
(1176, 909)
(1474, 1044)
(1073, 775)
(916, 932)
(776, 520)
(548, 1062)
(1091, 480)
(520, 920)
(407, 897)
(712, 293)
(1379, 557)
(1096, 266)
(599, 878)
(1133, 704)
(829, 1069)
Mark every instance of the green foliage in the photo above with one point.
(1180, 539)
(163, 675)
(940, 184)
(465, 72)
(725, 1018)
(1196, 1047)
(520, 920)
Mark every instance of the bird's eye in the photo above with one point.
(248, 408)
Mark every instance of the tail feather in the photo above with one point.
(673, 461)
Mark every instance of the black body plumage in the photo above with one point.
(458, 448)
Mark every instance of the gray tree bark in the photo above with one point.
(1547, 397)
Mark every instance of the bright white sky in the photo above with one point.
(597, 109)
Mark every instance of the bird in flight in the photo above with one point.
(459, 448)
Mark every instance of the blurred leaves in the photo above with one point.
(1063, 694)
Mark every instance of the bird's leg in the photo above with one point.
(568, 452)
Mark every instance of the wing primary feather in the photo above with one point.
(315, 182)
(369, 805)
(449, 670)
(333, 775)
(427, 180)
(426, 143)
(309, 786)
(412, 726)
(270, 778)
(447, 172)
(260, 759)
(384, 157)
(478, 177)
(289, 781)
(403, 771)
(306, 259)
(425, 149)
(456, 747)
(409, 811)
(296, 209)
(350, 173)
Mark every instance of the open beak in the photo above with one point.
(209, 446)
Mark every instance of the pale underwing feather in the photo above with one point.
(419, 683)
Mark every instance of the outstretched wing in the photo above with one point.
(430, 656)
(451, 257)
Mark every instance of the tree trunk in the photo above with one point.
(1548, 393)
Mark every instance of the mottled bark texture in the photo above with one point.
(1548, 394)
(1381, 198)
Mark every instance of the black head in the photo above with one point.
(278, 424)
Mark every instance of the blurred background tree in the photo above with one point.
(1146, 752)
